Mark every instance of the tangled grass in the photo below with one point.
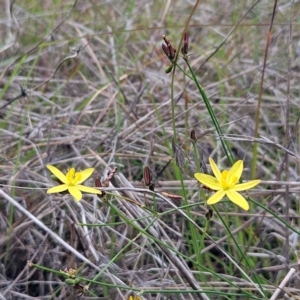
(83, 84)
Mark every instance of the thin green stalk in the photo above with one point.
(195, 239)
(138, 289)
(205, 232)
(212, 115)
(292, 228)
(239, 248)
(161, 242)
(125, 247)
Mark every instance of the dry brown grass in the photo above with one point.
(107, 103)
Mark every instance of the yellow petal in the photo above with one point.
(85, 174)
(75, 192)
(208, 181)
(70, 176)
(88, 189)
(57, 173)
(246, 185)
(216, 197)
(236, 171)
(57, 189)
(237, 199)
(215, 169)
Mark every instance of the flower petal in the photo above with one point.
(246, 185)
(237, 199)
(216, 197)
(88, 189)
(236, 171)
(57, 173)
(57, 189)
(75, 192)
(70, 176)
(215, 169)
(208, 181)
(85, 174)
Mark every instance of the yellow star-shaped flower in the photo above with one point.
(227, 183)
(72, 182)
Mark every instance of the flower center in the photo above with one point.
(228, 181)
(73, 177)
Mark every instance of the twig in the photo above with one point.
(283, 284)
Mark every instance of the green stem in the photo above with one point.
(212, 115)
(238, 247)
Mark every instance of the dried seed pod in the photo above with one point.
(185, 47)
(147, 176)
(209, 214)
(168, 48)
(165, 49)
(193, 136)
(172, 51)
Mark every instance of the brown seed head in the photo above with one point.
(147, 176)
(185, 47)
(168, 48)
(209, 214)
(193, 136)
